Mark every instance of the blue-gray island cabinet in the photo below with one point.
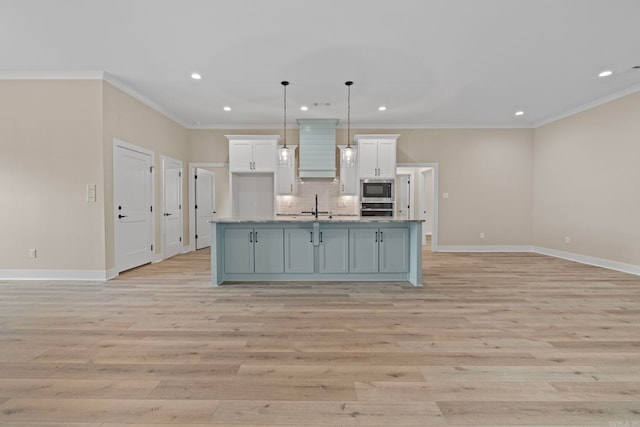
(320, 250)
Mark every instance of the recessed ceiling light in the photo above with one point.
(227, 108)
(382, 108)
(304, 108)
(605, 73)
(519, 113)
(196, 76)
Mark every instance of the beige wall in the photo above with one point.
(577, 177)
(129, 120)
(587, 182)
(49, 151)
(487, 173)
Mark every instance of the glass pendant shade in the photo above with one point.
(349, 153)
(285, 156)
(348, 157)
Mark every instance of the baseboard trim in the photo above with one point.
(87, 275)
(485, 248)
(570, 256)
(584, 259)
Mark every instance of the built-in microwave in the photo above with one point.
(376, 190)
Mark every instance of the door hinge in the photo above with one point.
(195, 177)
(196, 206)
(196, 236)
(181, 239)
(179, 206)
(179, 174)
(152, 247)
(150, 169)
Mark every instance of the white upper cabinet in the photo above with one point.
(377, 156)
(252, 153)
(348, 176)
(286, 176)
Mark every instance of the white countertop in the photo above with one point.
(310, 218)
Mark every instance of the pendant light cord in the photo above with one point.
(285, 83)
(349, 83)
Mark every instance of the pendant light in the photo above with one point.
(348, 153)
(285, 154)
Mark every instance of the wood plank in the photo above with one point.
(491, 339)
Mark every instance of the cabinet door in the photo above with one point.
(264, 156)
(387, 159)
(363, 250)
(368, 159)
(394, 250)
(286, 180)
(240, 156)
(298, 250)
(334, 250)
(238, 250)
(286, 176)
(348, 180)
(269, 250)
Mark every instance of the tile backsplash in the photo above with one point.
(329, 199)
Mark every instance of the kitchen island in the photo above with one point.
(310, 249)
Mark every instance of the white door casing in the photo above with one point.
(133, 205)
(171, 206)
(204, 207)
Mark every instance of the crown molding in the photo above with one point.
(51, 75)
(579, 109)
(92, 75)
(119, 84)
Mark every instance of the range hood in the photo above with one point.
(317, 148)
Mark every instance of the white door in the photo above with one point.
(402, 197)
(205, 206)
(133, 229)
(172, 204)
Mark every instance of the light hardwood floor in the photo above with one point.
(491, 339)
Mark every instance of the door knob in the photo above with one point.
(167, 214)
(122, 216)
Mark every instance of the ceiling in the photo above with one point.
(432, 63)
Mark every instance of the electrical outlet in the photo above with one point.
(445, 195)
(32, 253)
(482, 235)
(567, 240)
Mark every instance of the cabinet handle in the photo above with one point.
(291, 187)
(255, 237)
(381, 235)
(251, 236)
(343, 187)
(321, 237)
(376, 237)
(311, 236)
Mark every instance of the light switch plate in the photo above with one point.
(91, 192)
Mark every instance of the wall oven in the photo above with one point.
(376, 198)
(376, 209)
